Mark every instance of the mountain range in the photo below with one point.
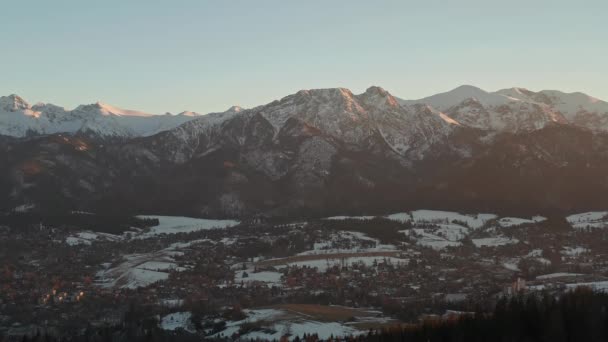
(315, 152)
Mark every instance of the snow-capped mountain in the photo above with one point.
(318, 151)
(359, 121)
(517, 109)
(338, 110)
(18, 119)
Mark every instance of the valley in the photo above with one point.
(266, 277)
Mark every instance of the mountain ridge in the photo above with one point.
(509, 109)
(318, 152)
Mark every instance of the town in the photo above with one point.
(265, 278)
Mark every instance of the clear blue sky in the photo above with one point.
(205, 56)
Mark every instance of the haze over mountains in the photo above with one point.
(321, 151)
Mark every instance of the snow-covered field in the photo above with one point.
(600, 286)
(494, 241)
(177, 320)
(400, 217)
(348, 242)
(270, 278)
(87, 238)
(573, 251)
(323, 264)
(324, 330)
(430, 216)
(140, 270)
(341, 218)
(516, 221)
(593, 219)
(167, 225)
(473, 221)
(276, 323)
(558, 275)
(179, 224)
(424, 238)
(434, 216)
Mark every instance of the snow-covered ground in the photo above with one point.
(270, 278)
(573, 251)
(87, 238)
(179, 224)
(400, 217)
(558, 275)
(494, 241)
(167, 225)
(511, 265)
(341, 218)
(139, 270)
(430, 216)
(177, 320)
(436, 216)
(516, 221)
(276, 323)
(24, 208)
(323, 264)
(356, 242)
(324, 330)
(600, 286)
(424, 238)
(593, 219)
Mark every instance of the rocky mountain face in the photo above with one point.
(322, 152)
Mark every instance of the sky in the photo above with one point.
(205, 56)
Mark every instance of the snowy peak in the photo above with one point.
(517, 109)
(573, 103)
(235, 109)
(13, 103)
(516, 93)
(187, 113)
(377, 97)
(330, 110)
(445, 101)
(109, 110)
(340, 96)
(99, 119)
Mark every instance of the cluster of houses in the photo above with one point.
(46, 282)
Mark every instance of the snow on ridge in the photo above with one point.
(99, 118)
(112, 110)
(444, 101)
